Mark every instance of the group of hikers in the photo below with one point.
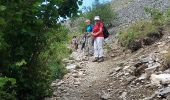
(92, 40)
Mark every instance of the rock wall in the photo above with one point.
(133, 10)
(128, 12)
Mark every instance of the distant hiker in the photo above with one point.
(89, 38)
(98, 35)
(74, 43)
(83, 41)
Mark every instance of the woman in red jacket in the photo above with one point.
(97, 33)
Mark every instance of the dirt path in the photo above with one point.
(79, 83)
(94, 73)
(112, 79)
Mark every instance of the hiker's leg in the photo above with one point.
(100, 46)
(82, 47)
(96, 56)
(95, 48)
(87, 46)
(98, 40)
(90, 46)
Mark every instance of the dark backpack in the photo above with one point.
(105, 32)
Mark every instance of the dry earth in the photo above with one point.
(116, 78)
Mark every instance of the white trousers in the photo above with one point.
(98, 47)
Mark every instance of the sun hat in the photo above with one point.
(96, 18)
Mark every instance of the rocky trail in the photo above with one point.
(141, 75)
(122, 76)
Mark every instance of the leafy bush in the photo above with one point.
(156, 15)
(167, 17)
(136, 31)
(7, 88)
(99, 10)
(102, 11)
(168, 59)
(159, 18)
(55, 51)
(3, 81)
(29, 29)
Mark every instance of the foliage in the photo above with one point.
(56, 50)
(3, 81)
(156, 15)
(97, 10)
(27, 29)
(167, 17)
(102, 11)
(159, 18)
(135, 31)
(167, 58)
(7, 86)
(144, 29)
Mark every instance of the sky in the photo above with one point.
(88, 3)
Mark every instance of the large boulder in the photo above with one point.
(160, 79)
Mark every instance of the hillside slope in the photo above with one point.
(123, 75)
(130, 11)
(118, 78)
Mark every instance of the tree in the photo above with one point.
(24, 30)
(102, 11)
(95, 3)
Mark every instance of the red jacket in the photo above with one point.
(96, 29)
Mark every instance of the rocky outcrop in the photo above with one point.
(134, 10)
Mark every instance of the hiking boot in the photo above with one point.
(95, 59)
(101, 59)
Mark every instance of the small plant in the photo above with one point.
(136, 31)
(168, 59)
(156, 15)
(167, 17)
(7, 86)
(56, 51)
(107, 47)
(139, 34)
(102, 11)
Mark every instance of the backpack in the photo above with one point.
(105, 32)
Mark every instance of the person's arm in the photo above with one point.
(100, 30)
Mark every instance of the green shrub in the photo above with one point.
(167, 59)
(3, 81)
(7, 88)
(159, 18)
(102, 11)
(167, 17)
(29, 29)
(136, 31)
(55, 51)
(156, 15)
(6, 96)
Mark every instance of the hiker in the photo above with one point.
(98, 36)
(74, 43)
(89, 38)
(83, 41)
